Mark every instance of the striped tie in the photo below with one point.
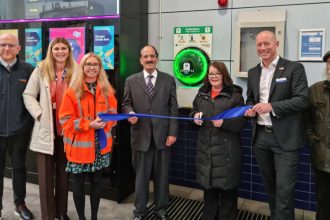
(8, 67)
(150, 86)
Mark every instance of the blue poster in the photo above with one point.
(104, 45)
(311, 47)
(33, 46)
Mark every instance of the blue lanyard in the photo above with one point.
(63, 75)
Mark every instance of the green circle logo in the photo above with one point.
(190, 66)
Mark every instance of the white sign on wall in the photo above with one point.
(196, 36)
(311, 44)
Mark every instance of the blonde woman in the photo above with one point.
(89, 95)
(42, 98)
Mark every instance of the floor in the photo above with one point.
(123, 211)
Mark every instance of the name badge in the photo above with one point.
(281, 80)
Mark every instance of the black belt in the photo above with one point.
(267, 128)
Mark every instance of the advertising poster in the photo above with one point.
(9, 31)
(76, 37)
(33, 46)
(104, 45)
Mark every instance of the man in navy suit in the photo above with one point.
(151, 92)
(278, 91)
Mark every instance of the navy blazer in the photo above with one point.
(288, 96)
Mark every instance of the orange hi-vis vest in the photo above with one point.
(75, 116)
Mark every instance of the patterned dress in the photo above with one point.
(101, 161)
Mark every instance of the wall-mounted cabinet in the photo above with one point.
(249, 24)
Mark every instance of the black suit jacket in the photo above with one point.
(162, 102)
(289, 98)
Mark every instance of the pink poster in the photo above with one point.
(76, 37)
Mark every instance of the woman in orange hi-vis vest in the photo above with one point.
(88, 95)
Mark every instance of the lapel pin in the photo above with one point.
(281, 68)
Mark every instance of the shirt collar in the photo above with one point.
(272, 64)
(5, 64)
(146, 74)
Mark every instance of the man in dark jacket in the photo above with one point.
(151, 92)
(318, 131)
(15, 121)
(278, 90)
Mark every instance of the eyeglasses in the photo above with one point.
(214, 75)
(90, 65)
(7, 45)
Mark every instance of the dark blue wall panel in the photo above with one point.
(182, 167)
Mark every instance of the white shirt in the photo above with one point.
(5, 64)
(264, 89)
(153, 79)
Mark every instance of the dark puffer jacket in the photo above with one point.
(218, 157)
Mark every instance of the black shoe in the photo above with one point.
(23, 212)
(63, 217)
(162, 217)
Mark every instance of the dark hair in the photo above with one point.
(221, 67)
(149, 45)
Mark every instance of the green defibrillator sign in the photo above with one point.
(192, 49)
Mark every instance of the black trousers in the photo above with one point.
(79, 193)
(279, 171)
(220, 204)
(16, 146)
(322, 182)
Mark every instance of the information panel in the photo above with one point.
(194, 36)
(104, 45)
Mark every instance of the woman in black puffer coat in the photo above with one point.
(218, 157)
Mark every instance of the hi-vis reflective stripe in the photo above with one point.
(101, 112)
(76, 124)
(106, 103)
(67, 140)
(112, 110)
(79, 107)
(81, 144)
(64, 119)
(108, 133)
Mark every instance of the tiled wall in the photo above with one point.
(183, 171)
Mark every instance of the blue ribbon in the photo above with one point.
(102, 138)
(231, 113)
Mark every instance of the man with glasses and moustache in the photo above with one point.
(15, 121)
